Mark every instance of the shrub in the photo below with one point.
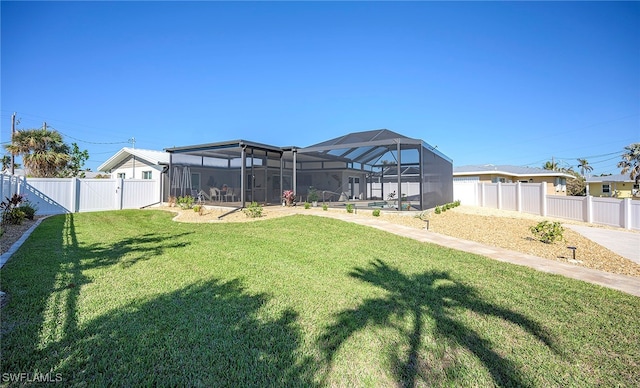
(438, 210)
(29, 209)
(185, 202)
(254, 210)
(197, 209)
(288, 196)
(307, 205)
(548, 232)
(10, 212)
(325, 207)
(312, 195)
(349, 208)
(14, 216)
(376, 212)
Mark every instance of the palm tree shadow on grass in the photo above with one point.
(206, 334)
(429, 294)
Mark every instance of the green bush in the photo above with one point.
(548, 232)
(185, 202)
(325, 207)
(349, 208)
(198, 209)
(14, 216)
(376, 212)
(29, 209)
(254, 210)
(307, 205)
(438, 210)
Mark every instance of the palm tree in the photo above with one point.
(43, 151)
(631, 162)
(553, 166)
(584, 166)
(6, 163)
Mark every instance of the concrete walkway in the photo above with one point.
(627, 284)
(625, 243)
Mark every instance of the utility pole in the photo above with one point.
(133, 145)
(13, 132)
(44, 125)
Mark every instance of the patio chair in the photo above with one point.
(214, 193)
(228, 194)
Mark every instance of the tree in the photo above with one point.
(584, 166)
(6, 163)
(553, 166)
(631, 162)
(577, 185)
(43, 152)
(76, 162)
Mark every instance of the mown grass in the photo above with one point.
(132, 298)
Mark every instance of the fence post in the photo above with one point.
(119, 190)
(543, 199)
(499, 194)
(519, 197)
(482, 194)
(589, 205)
(626, 211)
(75, 208)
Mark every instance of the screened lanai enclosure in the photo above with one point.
(377, 168)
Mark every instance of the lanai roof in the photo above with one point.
(363, 147)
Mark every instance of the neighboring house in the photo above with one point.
(489, 173)
(133, 163)
(619, 186)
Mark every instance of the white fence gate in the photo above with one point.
(72, 195)
(532, 198)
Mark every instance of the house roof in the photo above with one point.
(518, 171)
(150, 156)
(610, 178)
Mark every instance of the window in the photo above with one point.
(606, 188)
(122, 175)
(146, 175)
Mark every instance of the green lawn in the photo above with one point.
(132, 298)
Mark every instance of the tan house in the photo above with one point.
(490, 173)
(618, 186)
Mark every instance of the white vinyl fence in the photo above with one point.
(532, 198)
(73, 195)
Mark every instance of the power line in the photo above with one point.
(89, 142)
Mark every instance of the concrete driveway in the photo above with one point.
(622, 242)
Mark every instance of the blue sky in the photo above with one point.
(486, 82)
